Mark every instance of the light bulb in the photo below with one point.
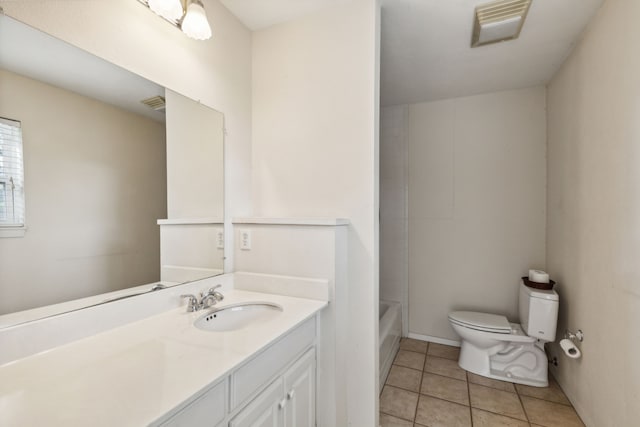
(169, 9)
(195, 23)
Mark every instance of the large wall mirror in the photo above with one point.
(110, 185)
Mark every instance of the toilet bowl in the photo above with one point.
(495, 348)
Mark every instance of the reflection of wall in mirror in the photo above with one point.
(194, 159)
(95, 183)
(195, 195)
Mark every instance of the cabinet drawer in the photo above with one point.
(207, 410)
(270, 362)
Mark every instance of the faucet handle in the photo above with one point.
(217, 295)
(193, 304)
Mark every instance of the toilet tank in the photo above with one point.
(538, 312)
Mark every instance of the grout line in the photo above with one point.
(395, 416)
(408, 367)
(493, 388)
(469, 396)
(547, 400)
(474, 407)
(411, 351)
(440, 357)
(522, 404)
(502, 415)
(442, 375)
(442, 398)
(445, 376)
(415, 414)
(405, 389)
(553, 377)
(402, 366)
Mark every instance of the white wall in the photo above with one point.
(394, 213)
(95, 183)
(477, 196)
(593, 235)
(195, 190)
(195, 159)
(216, 72)
(313, 252)
(315, 154)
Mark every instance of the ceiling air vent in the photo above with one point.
(499, 21)
(156, 103)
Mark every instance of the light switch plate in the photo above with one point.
(220, 239)
(245, 240)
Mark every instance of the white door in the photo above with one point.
(300, 392)
(266, 410)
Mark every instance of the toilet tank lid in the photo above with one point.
(551, 295)
(487, 321)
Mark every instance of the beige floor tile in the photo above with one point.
(550, 414)
(446, 351)
(487, 419)
(489, 382)
(406, 378)
(434, 412)
(389, 421)
(552, 393)
(399, 403)
(409, 359)
(446, 367)
(496, 401)
(413, 345)
(445, 388)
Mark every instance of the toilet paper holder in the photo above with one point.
(573, 337)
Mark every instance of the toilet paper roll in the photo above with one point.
(570, 348)
(538, 276)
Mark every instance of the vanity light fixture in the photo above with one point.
(194, 23)
(499, 21)
(188, 15)
(168, 9)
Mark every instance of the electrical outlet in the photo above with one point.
(245, 240)
(220, 239)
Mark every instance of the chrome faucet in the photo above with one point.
(211, 298)
(217, 295)
(193, 304)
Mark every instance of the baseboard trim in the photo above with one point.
(436, 340)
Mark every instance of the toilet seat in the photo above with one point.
(484, 322)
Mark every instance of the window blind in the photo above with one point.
(11, 174)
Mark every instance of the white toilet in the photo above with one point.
(494, 348)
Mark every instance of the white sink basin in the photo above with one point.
(237, 316)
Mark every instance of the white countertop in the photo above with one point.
(134, 374)
(291, 221)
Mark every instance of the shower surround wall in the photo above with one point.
(477, 193)
(394, 238)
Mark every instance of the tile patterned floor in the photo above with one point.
(427, 388)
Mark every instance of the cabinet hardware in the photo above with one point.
(282, 404)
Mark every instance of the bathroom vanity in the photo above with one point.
(276, 387)
(163, 371)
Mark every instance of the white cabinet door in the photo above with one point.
(266, 410)
(290, 401)
(300, 392)
(207, 410)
